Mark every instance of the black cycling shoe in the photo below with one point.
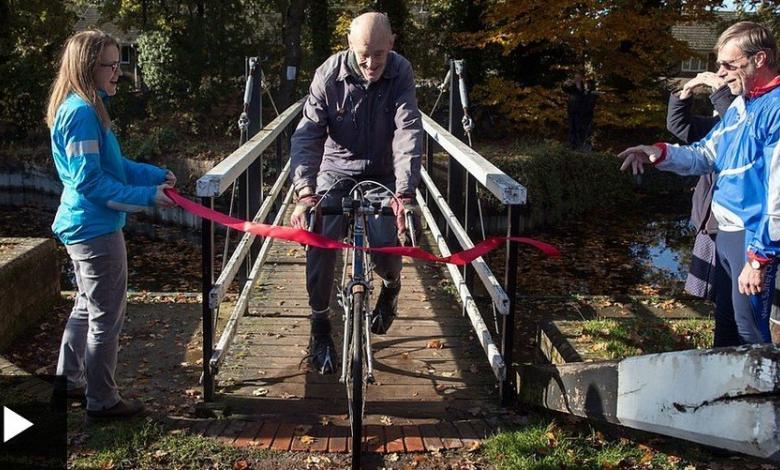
(384, 312)
(322, 351)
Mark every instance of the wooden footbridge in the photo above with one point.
(441, 372)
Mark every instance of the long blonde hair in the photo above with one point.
(77, 65)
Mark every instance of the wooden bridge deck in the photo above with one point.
(429, 368)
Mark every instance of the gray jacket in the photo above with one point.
(354, 130)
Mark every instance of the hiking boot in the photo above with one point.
(123, 409)
(384, 312)
(322, 350)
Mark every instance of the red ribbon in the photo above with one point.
(313, 239)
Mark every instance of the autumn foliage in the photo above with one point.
(626, 47)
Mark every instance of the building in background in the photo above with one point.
(89, 17)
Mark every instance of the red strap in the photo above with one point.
(313, 239)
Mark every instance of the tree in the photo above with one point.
(321, 30)
(32, 33)
(293, 53)
(625, 46)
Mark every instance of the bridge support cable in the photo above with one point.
(231, 327)
(483, 335)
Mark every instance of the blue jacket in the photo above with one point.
(99, 184)
(743, 150)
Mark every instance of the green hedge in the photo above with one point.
(563, 184)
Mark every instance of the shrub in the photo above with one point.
(563, 184)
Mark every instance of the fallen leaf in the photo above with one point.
(260, 392)
(240, 464)
(474, 446)
(386, 420)
(308, 439)
(392, 457)
(434, 344)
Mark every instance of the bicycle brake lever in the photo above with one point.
(310, 226)
(410, 228)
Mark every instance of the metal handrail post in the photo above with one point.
(207, 254)
(507, 387)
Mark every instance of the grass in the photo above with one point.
(142, 444)
(546, 444)
(619, 338)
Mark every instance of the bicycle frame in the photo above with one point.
(360, 279)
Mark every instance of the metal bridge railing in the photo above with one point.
(466, 168)
(237, 168)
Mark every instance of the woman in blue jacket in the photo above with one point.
(99, 186)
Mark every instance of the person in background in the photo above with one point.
(742, 149)
(99, 186)
(689, 128)
(580, 106)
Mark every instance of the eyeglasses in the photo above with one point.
(729, 64)
(113, 65)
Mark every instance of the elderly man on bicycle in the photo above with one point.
(360, 122)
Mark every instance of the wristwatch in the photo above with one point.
(756, 264)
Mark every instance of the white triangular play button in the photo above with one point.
(13, 424)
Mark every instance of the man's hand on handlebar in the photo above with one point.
(407, 212)
(306, 200)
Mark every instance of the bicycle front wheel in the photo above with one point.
(356, 381)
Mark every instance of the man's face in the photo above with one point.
(371, 54)
(736, 69)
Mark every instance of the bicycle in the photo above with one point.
(354, 296)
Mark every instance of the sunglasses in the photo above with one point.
(729, 64)
(113, 65)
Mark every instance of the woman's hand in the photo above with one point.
(160, 199)
(170, 179)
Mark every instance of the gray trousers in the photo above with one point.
(321, 263)
(88, 353)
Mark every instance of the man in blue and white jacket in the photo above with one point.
(744, 153)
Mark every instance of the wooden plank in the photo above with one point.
(266, 341)
(284, 436)
(231, 431)
(449, 435)
(431, 390)
(337, 438)
(394, 439)
(412, 439)
(246, 438)
(266, 435)
(430, 437)
(374, 439)
(419, 374)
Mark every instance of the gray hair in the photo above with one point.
(751, 38)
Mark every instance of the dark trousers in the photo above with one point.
(739, 319)
(320, 263)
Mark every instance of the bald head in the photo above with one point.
(371, 39)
